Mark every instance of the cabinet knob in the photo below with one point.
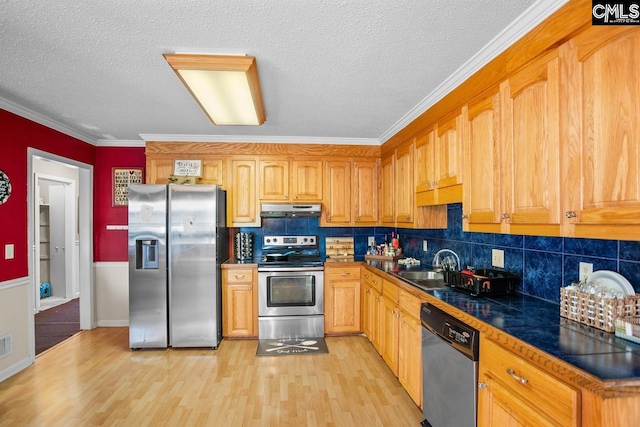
(465, 217)
(570, 214)
(239, 276)
(357, 218)
(428, 185)
(482, 386)
(331, 286)
(249, 288)
(295, 197)
(368, 291)
(521, 380)
(328, 217)
(346, 274)
(408, 218)
(504, 216)
(434, 183)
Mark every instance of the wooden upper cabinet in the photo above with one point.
(603, 153)
(274, 180)
(242, 201)
(424, 156)
(365, 197)
(387, 190)
(530, 149)
(449, 152)
(306, 180)
(337, 199)
(481, 146)
(404, 184)
(160, 166)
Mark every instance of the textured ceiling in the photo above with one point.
(328, 68)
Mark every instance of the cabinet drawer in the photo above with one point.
(409, 303)
(543, 391)
(343, 274)
(240, 275)
(390, 291)
(373, 279)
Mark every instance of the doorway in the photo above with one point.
(60, 198)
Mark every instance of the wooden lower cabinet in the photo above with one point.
(239, 296)
(342, 299)
(513, 392)
(390, 325)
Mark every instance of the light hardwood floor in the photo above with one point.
(95, 379)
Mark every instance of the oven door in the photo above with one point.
(290, 291)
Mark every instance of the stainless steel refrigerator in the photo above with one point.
(177, 241)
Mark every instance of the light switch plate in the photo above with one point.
(371, 241)
(497, 258)
(424, 245)
(8, 251)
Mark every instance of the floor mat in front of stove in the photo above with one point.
(289, 346)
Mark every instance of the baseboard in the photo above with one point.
(15, 368)
(112, 323)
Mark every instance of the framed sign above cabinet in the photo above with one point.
(188, 167)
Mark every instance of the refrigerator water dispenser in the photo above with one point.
(147, 255)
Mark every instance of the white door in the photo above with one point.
(57, 249)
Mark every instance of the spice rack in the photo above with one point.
(339, 248)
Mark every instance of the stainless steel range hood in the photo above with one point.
(289, 210)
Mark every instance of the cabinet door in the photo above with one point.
(603, 159)
(365, 188)
(513, 388)
(530, 151)
(482, 184)
(377, 313)
(367, 308)
(306, 180)
(158, 169)
(342, 307)
(212, 171)
(449, 152)
(389, 338)
(242, 203)
(239, 310)
(387, 183)
(410, 356)
(425, 174)
(274, 180)
(405, 187)
(337, 193)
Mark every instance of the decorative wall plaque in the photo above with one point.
(122, 177)
(187, 167)
(5, 187)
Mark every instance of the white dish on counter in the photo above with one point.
(612, 280)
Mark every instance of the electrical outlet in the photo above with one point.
(497, 258)
(586, 268)
(371, 241)
(424, 245)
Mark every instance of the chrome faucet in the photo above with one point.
(444, 264)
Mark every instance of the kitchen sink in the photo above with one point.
(421, 275)
(423, 279)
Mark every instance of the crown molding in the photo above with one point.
(120, 143)
(18, 110)
(260, 139)
(527, 21)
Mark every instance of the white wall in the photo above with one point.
(112, 293)
(14, 319)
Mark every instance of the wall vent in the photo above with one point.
(6, 345)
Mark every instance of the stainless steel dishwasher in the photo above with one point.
(449, 370)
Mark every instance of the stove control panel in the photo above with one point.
(289, 242)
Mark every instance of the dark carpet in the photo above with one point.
(57, 324)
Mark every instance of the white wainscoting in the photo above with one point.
(14, 319)
(112, 293)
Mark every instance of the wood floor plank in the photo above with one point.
(95, 379)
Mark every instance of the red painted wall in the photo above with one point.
(17, 135)
(111, 245)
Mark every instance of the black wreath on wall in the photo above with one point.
(5, 187)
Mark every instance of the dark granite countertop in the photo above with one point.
(538, 323)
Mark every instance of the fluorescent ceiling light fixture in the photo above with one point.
(226, 87)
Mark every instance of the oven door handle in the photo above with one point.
(285, 269)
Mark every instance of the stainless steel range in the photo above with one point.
(290, 288)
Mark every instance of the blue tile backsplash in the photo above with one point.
(544, 263)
